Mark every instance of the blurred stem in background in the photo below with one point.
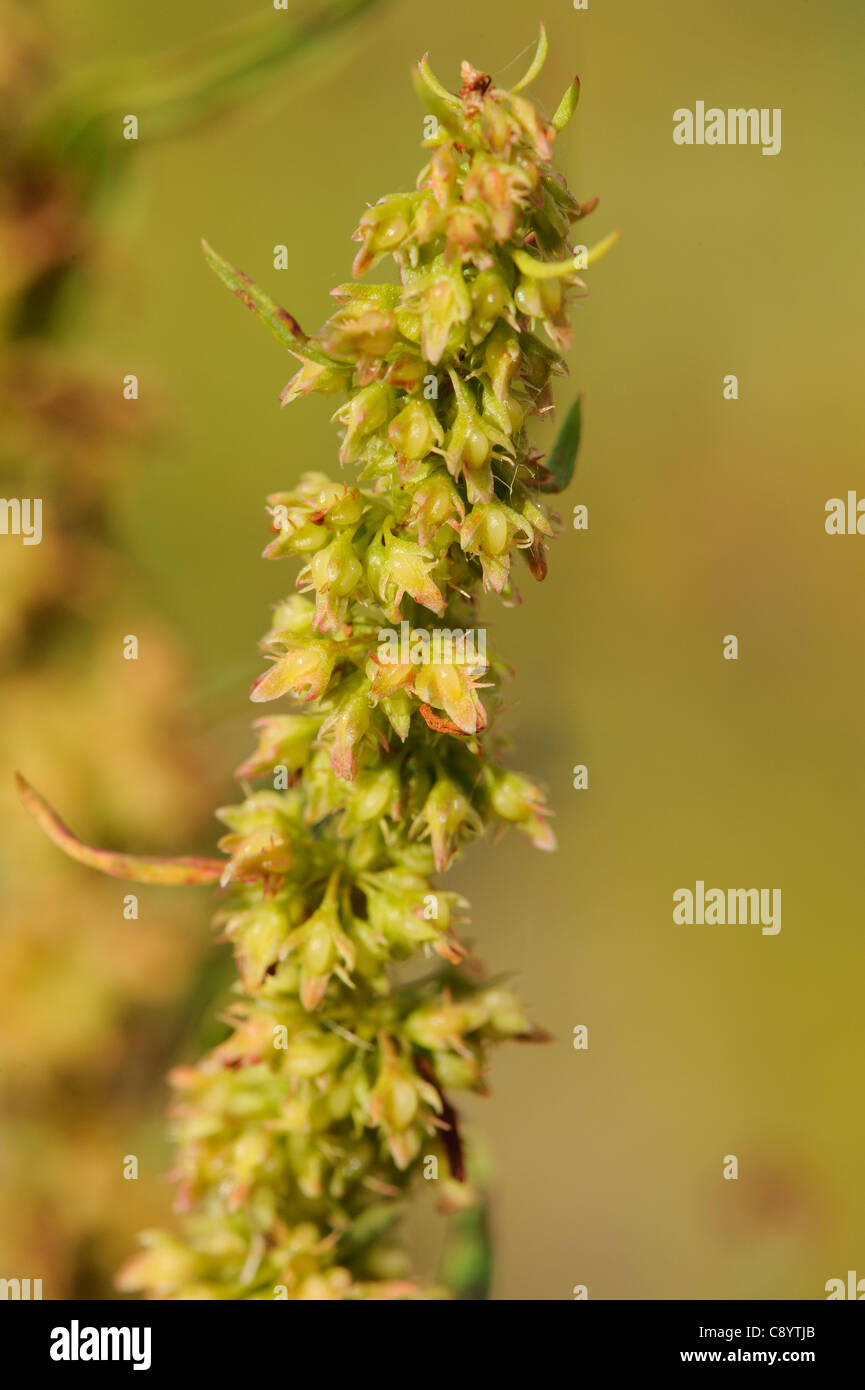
(74, 130)
(93, 1001)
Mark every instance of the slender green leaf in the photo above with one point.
(467, 1262)
(432, 82)
(536, 64)
(446, 107)
(562, 458)
(280, 322)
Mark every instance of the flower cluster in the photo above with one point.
(300, 1132)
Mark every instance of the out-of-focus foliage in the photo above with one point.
(88, 999)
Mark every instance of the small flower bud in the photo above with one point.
(361, 329)
(323, 949)
(490, 298)
(396, 567)
(305, 666)
(528, 297)
(258, 935)
(436, 501)
(447, 816)
(454, 689)
(502, 357)
(415, 430)
(365, 413)
(406, 372)
(345, 728)
(324, 378)
(284, 740)
(442, 300)
(519, 800)
(382, 228)
(334, 573)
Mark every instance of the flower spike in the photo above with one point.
(379, 758)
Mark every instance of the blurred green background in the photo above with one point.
(705, 518)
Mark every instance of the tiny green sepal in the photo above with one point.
(567, 106)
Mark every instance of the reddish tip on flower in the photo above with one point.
(305, 670)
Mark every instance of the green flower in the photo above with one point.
(312, 1118)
